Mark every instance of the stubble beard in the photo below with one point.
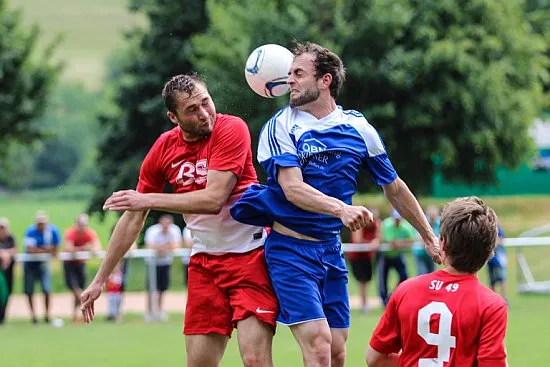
(306, 97)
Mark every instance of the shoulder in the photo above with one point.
(388, 222)
(230, 121)
(278, 120)
(411, 285)
(368, 132)
(54, 228)
(229, 124)
(91, 232)
(167, 138)
(174, 228)
(153, 228)
(69, 232)
(489, 298)
(31, 230)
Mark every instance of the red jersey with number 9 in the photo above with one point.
(443, 320)
(185, 166)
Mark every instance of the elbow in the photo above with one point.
(291, 192)
(373, 357)
(393, 189)
(371, 360)
(214, 206)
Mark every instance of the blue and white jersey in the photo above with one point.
(330, 152)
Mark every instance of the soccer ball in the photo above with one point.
(266, 70)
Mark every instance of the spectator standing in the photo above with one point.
(163, 237)
(40, 238)
(79, 237)
(8, 249)
(361, 262)
(188, 244)
(400, 235)
(497, 265)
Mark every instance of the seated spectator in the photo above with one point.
(361, 262)
(8, 249)
(78, 238)
(163, 237)
(40, 238)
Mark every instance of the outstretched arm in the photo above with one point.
(210, 200)
(405, 203)
(308, 198)
(126, 231)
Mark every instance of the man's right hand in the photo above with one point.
(355, 217)
(87, 299)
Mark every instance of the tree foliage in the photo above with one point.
(450, 85)
(26, 79)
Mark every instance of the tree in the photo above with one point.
(26, 80)
(538, 14)
(451, 86)
(135, 115)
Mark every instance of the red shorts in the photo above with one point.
(224, 289)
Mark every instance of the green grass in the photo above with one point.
(91, 31)
(134, 343)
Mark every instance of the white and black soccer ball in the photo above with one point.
(266, 70)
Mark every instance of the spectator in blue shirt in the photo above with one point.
(497, 265)
(40, 238)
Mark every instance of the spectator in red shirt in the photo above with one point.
(78, 238)
(361, 261)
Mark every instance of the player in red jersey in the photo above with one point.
(447, 318)
(207, 158)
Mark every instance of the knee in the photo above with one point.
(320, 349)
(251, 358)
(338, 356)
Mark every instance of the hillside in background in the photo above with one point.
(91, 31)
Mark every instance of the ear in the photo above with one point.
(443, 248)
(172, 117)
(324, 81)
(442, 243)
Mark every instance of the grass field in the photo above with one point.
(134, 343)
(91, 31)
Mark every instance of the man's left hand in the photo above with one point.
(431, 245)
(126, 200)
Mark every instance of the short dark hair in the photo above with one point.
(326, 62)
(182, 83)
(469, 228)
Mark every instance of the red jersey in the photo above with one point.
(368, 234)
(444, 320)
(79, 239)
(185, 166)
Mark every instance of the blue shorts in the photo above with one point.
(310, 280)
(497, 273)
(37, 271)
